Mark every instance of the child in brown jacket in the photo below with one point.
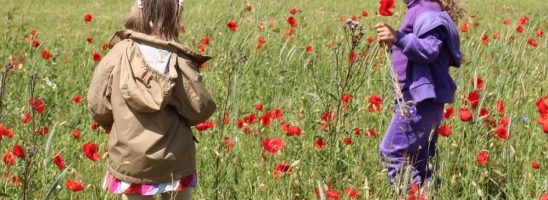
(137, 92)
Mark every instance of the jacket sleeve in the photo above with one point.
(99, 93)
(423, 49)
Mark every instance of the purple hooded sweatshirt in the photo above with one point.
(427, 44)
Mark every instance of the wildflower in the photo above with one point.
(75, 186)
(482, 158)
(273, 145)
(385, 7)
(90, 149)
(88, 17)
(232, 25)
(59, 162)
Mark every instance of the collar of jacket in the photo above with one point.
(172, 46)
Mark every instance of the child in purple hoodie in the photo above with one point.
(426, 44)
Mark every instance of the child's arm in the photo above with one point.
(424, 49)
(99, 94)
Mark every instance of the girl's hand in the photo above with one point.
(386, 35)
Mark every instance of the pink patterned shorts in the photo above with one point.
(116, 186)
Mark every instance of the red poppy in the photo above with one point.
(347, 140)
(261, 42)
(232, 25)
(374, 104)
(364, 13)
(250, 119)
(465, 115)
(89, 39)
(477, 82)
(524, 20)
(291, 130)
(9, 159)
(226, 118)
(104, 46)
(371, 132)
(88, 17)
(76, 134)
(345, 99)
(540, 33)
(273, 145)
(46, 55)
(259, 107)
(42, 130)
(75, 186)
(94, 125)
(535, 165)
(309, 48)
(484, 112)
(533, 42)
(473, 97)
(332, 194)
(282, 167)
(77, 98)
(59, 162)
(293, 11)
(228, 144)
(5, 132)
(19, 151)
(519, 29)
(485, 39)
(385, 7)
(502, 133)
(205, 40)
(448, 112)
(464, 27)
(319, 143)
(505, 121)
(97, 56)
(352, 193)
(35, 44)
(90, 149)
(542, 105)
(37, 105)
(204, 126)
(370, 40)
(328, 116)
(277, 113)
(445, 130)
(201, 47)
(496, 35)
(16, 180)
(353, 56)
(482, 158)
(25, 118)
(506, 21)
(291, 20)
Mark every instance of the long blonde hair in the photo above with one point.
(453, 8)
(156, 17)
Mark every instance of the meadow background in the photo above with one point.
(297, 73)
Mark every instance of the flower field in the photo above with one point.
(304, 98)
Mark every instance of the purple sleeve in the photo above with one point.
(424, 49)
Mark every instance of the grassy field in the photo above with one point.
(305, 74)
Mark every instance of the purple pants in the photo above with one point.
(410, 144)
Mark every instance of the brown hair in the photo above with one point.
(156, 17)
(454, 9)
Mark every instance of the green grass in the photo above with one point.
(282, 75)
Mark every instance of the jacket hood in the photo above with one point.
(172, 46)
